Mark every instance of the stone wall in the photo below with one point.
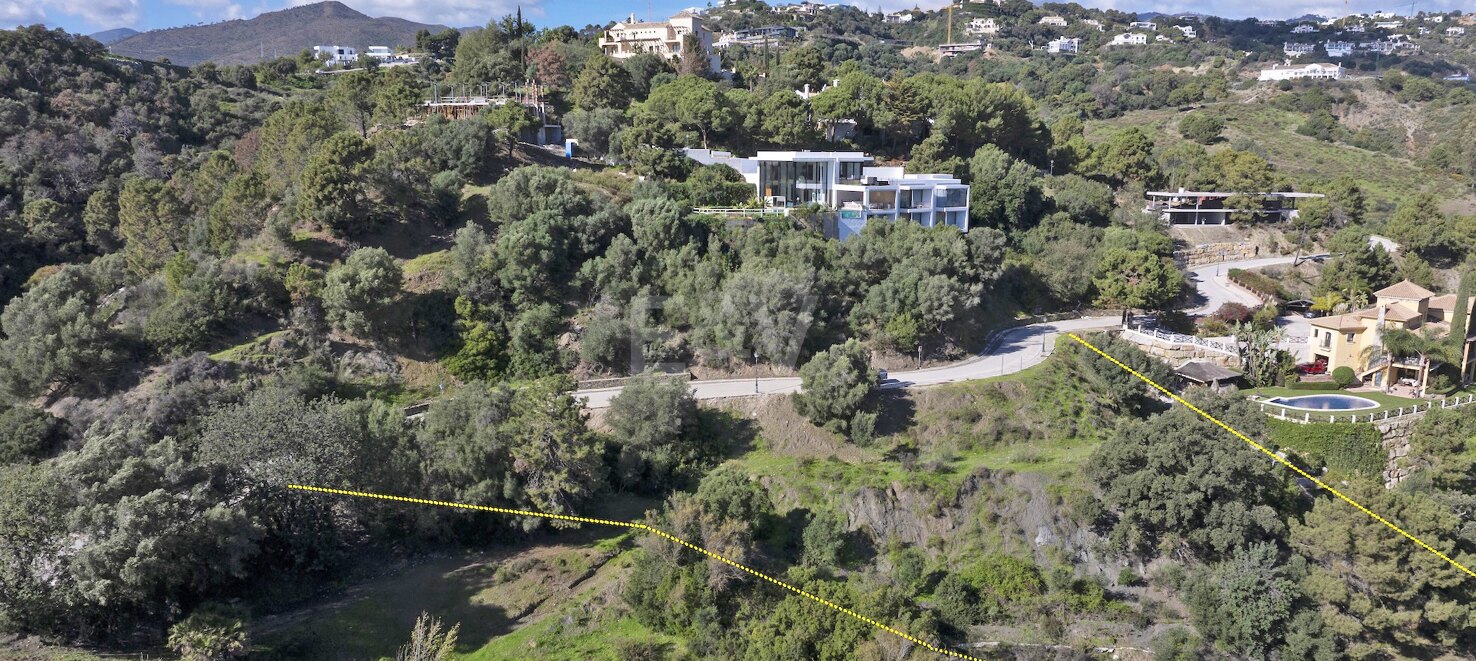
(1214, 253)
(1396, 444)
(1177, 354)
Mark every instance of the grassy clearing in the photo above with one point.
(246, 350)
(1303, 159)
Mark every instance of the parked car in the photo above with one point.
(881, 376)
(1318, 367)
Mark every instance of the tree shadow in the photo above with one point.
(895, 412)
(729, 434)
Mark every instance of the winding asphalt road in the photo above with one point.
(1011, 351)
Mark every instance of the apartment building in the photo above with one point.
(631, 37)
(1315, 71)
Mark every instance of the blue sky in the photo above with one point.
(92, 15)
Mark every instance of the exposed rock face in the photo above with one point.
(1015, 502)
(368, 365)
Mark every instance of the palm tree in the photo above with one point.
(1327, 303)
(1400, 343)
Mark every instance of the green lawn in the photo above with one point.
(1387, 402)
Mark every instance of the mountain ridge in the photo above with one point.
(271, 34)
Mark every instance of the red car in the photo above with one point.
(1319, 367)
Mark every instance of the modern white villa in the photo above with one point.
(344, 55)
(846, 182)
(1316, 71)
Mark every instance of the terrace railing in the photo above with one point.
(1154, 334)
(1307, 417)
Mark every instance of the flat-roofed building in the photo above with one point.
(1314, 71)
(1186, 207)
(847, 183)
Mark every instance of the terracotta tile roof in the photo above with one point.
(1391, 313)
(1204, 371)
(1404, 289)
(1448, 302)
(1339, 322)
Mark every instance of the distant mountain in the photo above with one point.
(271, 34)
(115, 35)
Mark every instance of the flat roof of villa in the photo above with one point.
(1188, 193)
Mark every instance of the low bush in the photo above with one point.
(1344, 376)
(1256, 282)
(1312, 385)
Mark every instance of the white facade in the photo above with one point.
(848, 184)
(982, 26)
(1314, 71)
(1294, 49)
(1388, 25)
(1129, 39)
(1054, 21)
(1339, 48)
(1304, 28)
(1455, 32)
(1187, 30)
(953, 50)
(1064, 45)
(379, 52)
(1143, 25)
(1094, 23)
(768, 35)
(631, 37)
(336, 54)
(898, 17)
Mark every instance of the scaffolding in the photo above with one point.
(465, 100)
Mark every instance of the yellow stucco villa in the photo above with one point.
(1353, 339)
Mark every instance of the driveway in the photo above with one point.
(1011, 351)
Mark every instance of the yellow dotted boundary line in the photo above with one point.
(1273, 455)
(659, 533)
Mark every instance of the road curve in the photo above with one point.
(1011, 351)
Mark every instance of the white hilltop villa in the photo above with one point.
(846, 183)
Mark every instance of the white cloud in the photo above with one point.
(455, 13)
(1225, 8)
(14, 13)
(97, 13)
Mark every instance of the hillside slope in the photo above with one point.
(273, 33)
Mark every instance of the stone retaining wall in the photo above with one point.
(1214, 253)
(1396, 435)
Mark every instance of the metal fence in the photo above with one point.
(1307, 417)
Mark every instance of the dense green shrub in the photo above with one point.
(1256, 282)
(1343, 447)
(1344, 376)
(1312, 385)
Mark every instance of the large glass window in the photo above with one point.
(793, 184)
(850, 171)
(952, 197)
(915, 199)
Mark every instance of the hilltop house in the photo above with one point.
(802, 9)
(1313, 71)
(898, 17)
(1304, 28)
(1455, 32)
(1294, 49)
(1355, 339)
(1054, 21)
(1388, 25)
(1094, 23)
(954, 50)
(982, 26)
(1064, 45)
(1143, 25)
(1184, 207)
(331, 55)
(1187, 30)
(664, 38)
(767, 35)
(1129, 39)
(1339, 48)
(846, 183)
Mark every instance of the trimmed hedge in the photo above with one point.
(1312, 385)
(1342, 447)
(1256, 282)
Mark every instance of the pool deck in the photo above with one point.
(1386, 401)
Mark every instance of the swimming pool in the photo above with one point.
(1324, 403)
